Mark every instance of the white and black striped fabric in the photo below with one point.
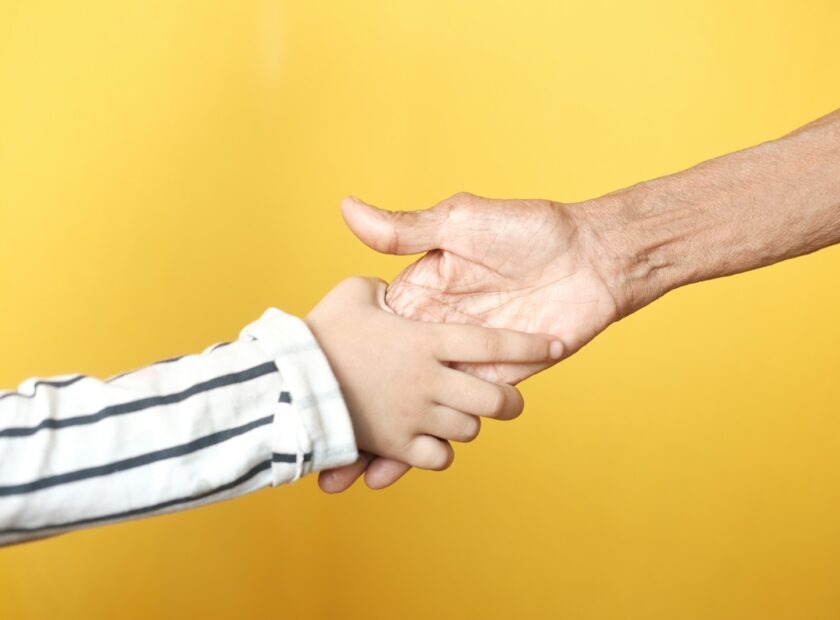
(77, 451)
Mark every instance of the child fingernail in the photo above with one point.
(555, 350)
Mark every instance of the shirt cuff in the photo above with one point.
(312, 428)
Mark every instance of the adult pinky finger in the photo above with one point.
(342, 478)
(383, 472)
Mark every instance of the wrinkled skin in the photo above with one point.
(517, 264)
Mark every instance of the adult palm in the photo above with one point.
(526, 265)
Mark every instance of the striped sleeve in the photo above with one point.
(77, 451)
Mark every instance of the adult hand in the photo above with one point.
(571, 270)
(528, 265)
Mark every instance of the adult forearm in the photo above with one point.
(728, 215)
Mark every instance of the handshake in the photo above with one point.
(560, 272)
(505, 290)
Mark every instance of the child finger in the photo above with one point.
(472, 343)
(475, 396)
(427, 452)
(447, 423)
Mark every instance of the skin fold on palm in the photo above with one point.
(514, 264)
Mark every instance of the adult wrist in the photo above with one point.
(631, 242)
(741, 211)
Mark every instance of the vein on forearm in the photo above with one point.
(738, 212)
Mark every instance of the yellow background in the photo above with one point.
(169, 169)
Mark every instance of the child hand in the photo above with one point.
(404, 399)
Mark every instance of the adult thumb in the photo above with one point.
(393, 232)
